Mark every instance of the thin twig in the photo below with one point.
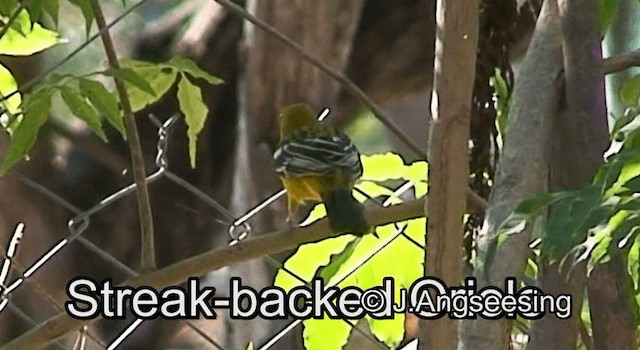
(621, 61)
(142, 193)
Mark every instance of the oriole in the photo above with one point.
(318, 163)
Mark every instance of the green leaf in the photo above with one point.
(87, 13)
(307, 259)
(502, 101)
(159, 78)
(416, 172)
(83, 110)
(36, 111)
(8, 85)
(382, 167)
(527, 210)
(570, 220)
(7, 7)
(51, 8)
(185, 65)
(195, 113)
(629, 169)
(622, 121)
(250, 345)
(104, 101)
(34, 8)
(130, 76)
(606, 13)
(327, 272)
(630, 91)
(37, 7)
(325, 334)
(27, 39)
(633, 263)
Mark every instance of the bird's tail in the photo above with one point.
(345, 213)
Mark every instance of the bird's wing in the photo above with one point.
(307, 153)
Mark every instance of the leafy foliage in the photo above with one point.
(363, 261)
(89, 100)
(598, 221)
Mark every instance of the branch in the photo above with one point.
(142, 193)
(621, 61)
(262, 245)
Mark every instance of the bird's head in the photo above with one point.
(294, 117)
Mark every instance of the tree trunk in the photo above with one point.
(457, 37)
(580, 137)
(521, 171)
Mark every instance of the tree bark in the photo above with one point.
(521, 171)
(612, 306)
(454, 67)
(580, 137)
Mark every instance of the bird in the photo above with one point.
(318, 163)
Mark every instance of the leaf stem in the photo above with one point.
(142, 194)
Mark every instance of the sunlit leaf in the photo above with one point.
(336, 261)
(325, 334)
(195, 113)
(159, 79)
(308, 258)
(416, 171)
(381, 167)
(28, 39)
(8, 86)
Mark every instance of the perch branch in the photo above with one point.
(262, 245)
